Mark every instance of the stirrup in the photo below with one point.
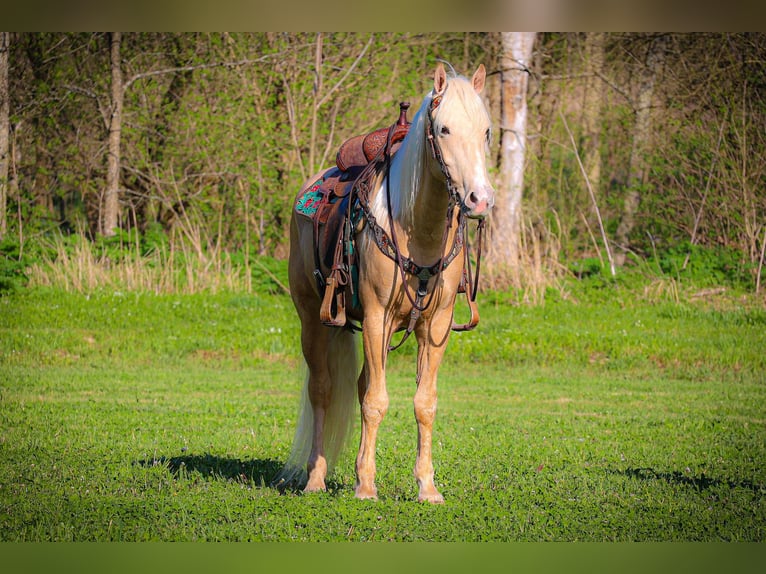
(472, 322)
(466, 288)
(333, 293)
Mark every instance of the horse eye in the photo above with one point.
(445, 131)
(487, 135)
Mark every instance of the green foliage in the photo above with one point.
(269, 274)
(221, 129)
(587, 267)
(693, 266)
(154, 239)
(707, 266)
(114, 247)
(12, 266)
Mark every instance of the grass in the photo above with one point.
(133, 416)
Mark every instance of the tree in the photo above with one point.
(642, 132)
(506, 218)
(111, 204)
(594, 64)
(5, 127)
(140, 162)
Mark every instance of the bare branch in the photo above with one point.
(103, 110)
(592, 195)
(348, 72)
(705, 193)
(190, 68)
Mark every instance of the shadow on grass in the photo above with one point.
(700, 482)
(258, 473)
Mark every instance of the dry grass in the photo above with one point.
(79, 267)
(662, 289)
(537, 268)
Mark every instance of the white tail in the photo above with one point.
(342, 365)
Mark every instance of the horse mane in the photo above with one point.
(408, 165)
(406, 170)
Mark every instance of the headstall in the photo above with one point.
(389, 246)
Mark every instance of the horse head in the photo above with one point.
(460, 134)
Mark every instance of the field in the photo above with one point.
(132, 417)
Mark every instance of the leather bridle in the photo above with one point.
(421, 299)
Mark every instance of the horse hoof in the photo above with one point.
(366, 493)
(433, 498)
(315, 487)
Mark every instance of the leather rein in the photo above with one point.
(389, 245)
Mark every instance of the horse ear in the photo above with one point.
(478, 78)
(440, 79)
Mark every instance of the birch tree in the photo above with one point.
(506, 219)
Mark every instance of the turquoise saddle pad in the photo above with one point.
(309, 201)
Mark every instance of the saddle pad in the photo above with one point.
(309, 201)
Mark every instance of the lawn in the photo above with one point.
(131, 417)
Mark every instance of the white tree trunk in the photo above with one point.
(506, 216)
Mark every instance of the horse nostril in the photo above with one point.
(476, 205)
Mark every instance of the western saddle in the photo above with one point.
(334, 215)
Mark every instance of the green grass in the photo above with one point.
(129, 416)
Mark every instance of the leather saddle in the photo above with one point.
(356, 152)
(331, 213)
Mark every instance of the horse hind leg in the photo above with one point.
(342, 367)
(319, 395)
(327, 405)
(327, 402)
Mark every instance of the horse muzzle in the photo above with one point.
(478, 204)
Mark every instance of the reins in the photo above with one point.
(424, 274)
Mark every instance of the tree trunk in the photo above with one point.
(5, 127)
(506, 217)
(655, 58)
(111, 204)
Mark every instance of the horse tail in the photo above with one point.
(342, 365)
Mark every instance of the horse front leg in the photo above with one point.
(430, 353)
(373, 399)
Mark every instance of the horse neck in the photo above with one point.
(424, 224)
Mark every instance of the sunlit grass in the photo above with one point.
(134, 416)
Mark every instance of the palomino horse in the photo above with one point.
(410, 230)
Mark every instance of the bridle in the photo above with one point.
(436, 152)
(389, 245)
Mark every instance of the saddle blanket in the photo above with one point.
(318, 197)
(309, 201)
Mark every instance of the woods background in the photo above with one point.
(639, 150)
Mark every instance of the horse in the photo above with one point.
(406, 240)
